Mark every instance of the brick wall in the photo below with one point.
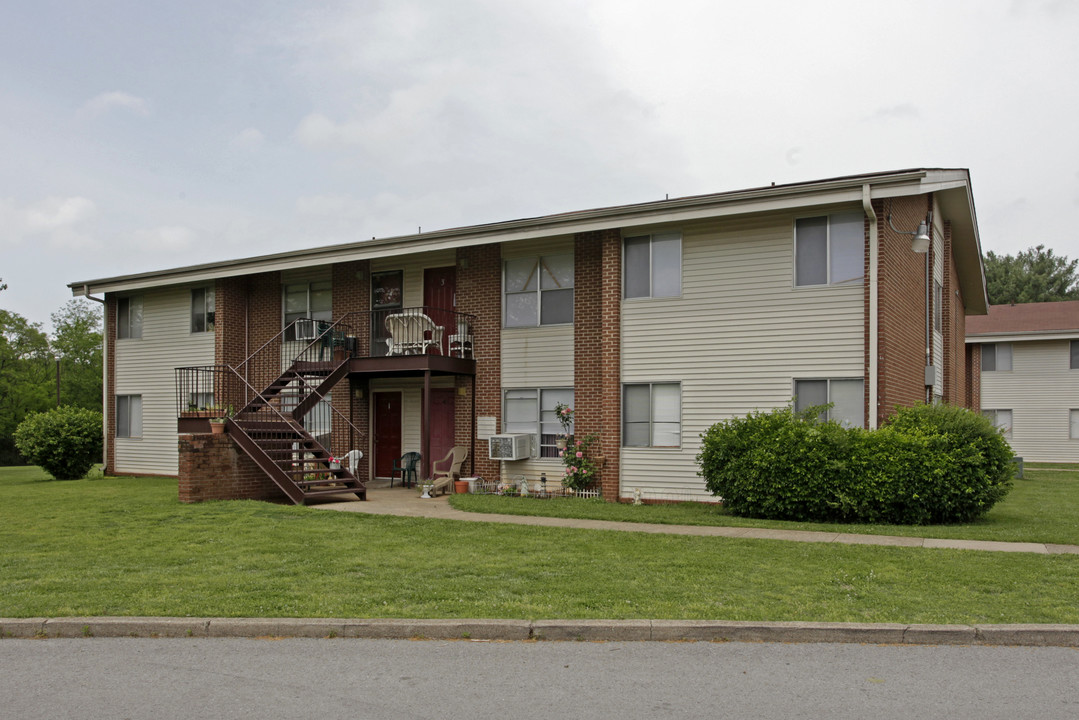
(213, 468)
(973, 394)
(954, 329)
(351, 305)
(597, 307)
(479, 292)
(901, 310)
(110, 396)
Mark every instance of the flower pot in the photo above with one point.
(427, 492)
(217, 428)
(560, 443)
(460, 486)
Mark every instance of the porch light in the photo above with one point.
(920, 243)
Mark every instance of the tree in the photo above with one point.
(26, 377)
(1034, 275)
(77, 342)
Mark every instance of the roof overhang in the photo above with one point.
(952, 185)
(1022, 336)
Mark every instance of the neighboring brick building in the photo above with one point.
(1027, 356)
(653, 321)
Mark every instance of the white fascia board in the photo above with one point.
(760, 200)
(1023, 336)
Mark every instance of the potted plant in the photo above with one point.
(564, 413)
(217, 423)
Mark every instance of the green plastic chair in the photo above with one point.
(407, 465)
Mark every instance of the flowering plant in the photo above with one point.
(564, 413)
(580, 469)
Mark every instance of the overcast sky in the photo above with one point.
(141, 135)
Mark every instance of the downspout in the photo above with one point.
(874, 301)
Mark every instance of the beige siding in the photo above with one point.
(735, 340)
(1040, 391)
(537, 357)
(146, 367)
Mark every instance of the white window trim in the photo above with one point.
(127, 397)
(996, 357)
(993, 419)
(538, 434)
(651, 267)
(828, 399)
(827, 254)
(129, 299)
(208, 291)
(652, 417)
(539, 293)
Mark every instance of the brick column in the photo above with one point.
(230, 321)
(597, 313)
(351, 306)
(901, 310)
(213, 468)
(479, 292)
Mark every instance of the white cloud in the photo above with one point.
(100, 104)
(165, 238)
(248, 139)
(61, 222)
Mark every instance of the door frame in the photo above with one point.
(374, 427)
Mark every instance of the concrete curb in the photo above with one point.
(551, 630)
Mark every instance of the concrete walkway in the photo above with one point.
(407, 503)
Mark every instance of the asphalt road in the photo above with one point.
(387, 679)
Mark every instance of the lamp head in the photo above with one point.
(920, 243)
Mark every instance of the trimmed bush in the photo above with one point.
(65, 442)
(931, 464)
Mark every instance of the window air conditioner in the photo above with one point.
(509, 447)
(305, 329)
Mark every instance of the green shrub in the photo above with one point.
(66, 442)
(930, 464)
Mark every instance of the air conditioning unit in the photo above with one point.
(305, 329)
(509, 447)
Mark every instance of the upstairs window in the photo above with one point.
(652, 266)
(1075, 355)
(307, 300)
(829, 250)
(202, 310)
(996, 357)
(129, 318)
(539, 291)
(938, 306)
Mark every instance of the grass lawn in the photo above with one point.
(1043, 507)
(125, 546)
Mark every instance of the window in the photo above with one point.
(1074, 423)
(307, 300)
(539, 291)
(829, 250)
(531, 411)
(200, 401)
(846, 396)
(202, 310)
(129, 318)
(653, 266)
(938, 306)
(997, 357)
(1075, 354)
(129, 416)
(652, 415)
(1001, 419)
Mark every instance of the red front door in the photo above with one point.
(442, 408)
(387, 431)
(440, 299)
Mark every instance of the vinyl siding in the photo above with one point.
(146, 367)
(1040, 391)
(537, 357)
(735, 340)
(938, 337)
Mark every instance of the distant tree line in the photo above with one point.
(30, 359)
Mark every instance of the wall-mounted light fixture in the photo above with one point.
(920, 243)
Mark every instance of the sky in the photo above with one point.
(137, 136)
